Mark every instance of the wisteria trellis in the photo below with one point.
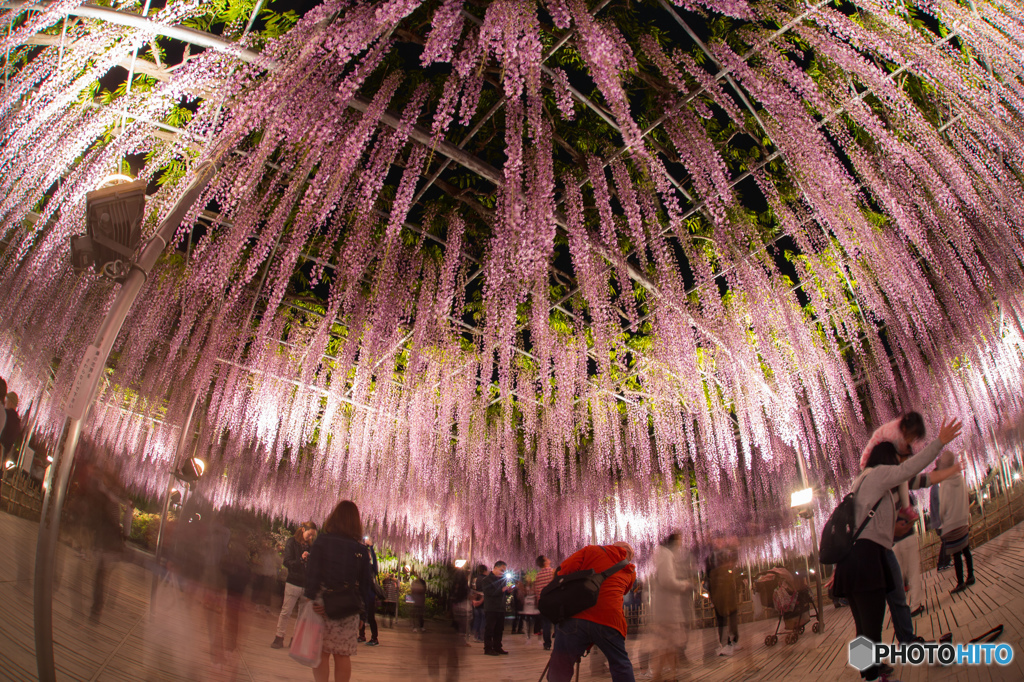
(680, 268)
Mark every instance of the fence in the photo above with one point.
(20, 495)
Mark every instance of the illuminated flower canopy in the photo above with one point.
(526, 269)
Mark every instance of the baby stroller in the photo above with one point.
(792, 599)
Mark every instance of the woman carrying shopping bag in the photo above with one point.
(336, 575)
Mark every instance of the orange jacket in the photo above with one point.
(608, 610)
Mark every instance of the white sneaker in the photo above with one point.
(726, 650)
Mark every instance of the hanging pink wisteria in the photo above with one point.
(527, 271)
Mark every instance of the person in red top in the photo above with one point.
(545, 574)
(602, 625)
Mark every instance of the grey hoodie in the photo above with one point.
(954, 506)
(877, 483)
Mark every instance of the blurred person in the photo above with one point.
(545, 574)
(371, 599)
(444, 646)
(669, 593)
(724, 593)
(102, 516)
(518, 601)
(418, 592)
(338, 562)
(11, 430)
(495, 589)
(296, 554)
(237, 573)
(602, 625)
(392, 590)
(955, 511)
(529, 612)
(477, 597)
(266, 566)
(127, 519)
(865, 576)
(3, 413)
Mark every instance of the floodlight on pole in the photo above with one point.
(801, 497)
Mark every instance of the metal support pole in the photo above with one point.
(817, 573)
(80, 399)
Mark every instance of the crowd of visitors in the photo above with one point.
(333, 571)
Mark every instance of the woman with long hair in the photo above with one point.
(864, 576)
(336, 576)
(296, 553)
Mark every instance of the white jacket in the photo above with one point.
(954, 506)
(670, 590)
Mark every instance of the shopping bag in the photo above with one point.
(309, 637)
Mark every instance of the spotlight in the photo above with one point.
(9, 464)
(812, 571)
(113, 229)
(192, 470)
(801, 497)
(1016, 477)
(49, 459)
(459, 563)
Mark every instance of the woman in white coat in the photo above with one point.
(671, 601)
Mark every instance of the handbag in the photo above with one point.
(344, 601)
(309, 637)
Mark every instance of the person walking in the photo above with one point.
(545, 574)
(668, 593)
(371, 599)
(391, 594)
(296, 554)
(864, 577)
(477, 599)
(338, 565)
(724, 593)
(418, 592)
(955, 510)
(602, 625)
(529, 613)
(495, 590)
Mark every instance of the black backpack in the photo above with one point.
(838, 535)
(567, 595)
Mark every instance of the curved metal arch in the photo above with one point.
(113, 16)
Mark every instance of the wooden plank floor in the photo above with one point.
(172, 643)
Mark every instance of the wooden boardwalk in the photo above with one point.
(174, 643)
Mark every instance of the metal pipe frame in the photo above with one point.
(60, 469)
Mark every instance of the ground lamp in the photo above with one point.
(801, 499)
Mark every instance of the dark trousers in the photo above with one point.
(734, 627)
(545, 627)
(869, 614)
(958, 565)
(493, 627)
(371, 618)
(575, 636)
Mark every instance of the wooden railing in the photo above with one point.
(20, 495)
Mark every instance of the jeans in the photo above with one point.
(966, 553)
(478, 622)
(371, 618)
(574, 636)
(902, 621)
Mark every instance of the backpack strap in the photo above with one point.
(612, 570)
(871, 515)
